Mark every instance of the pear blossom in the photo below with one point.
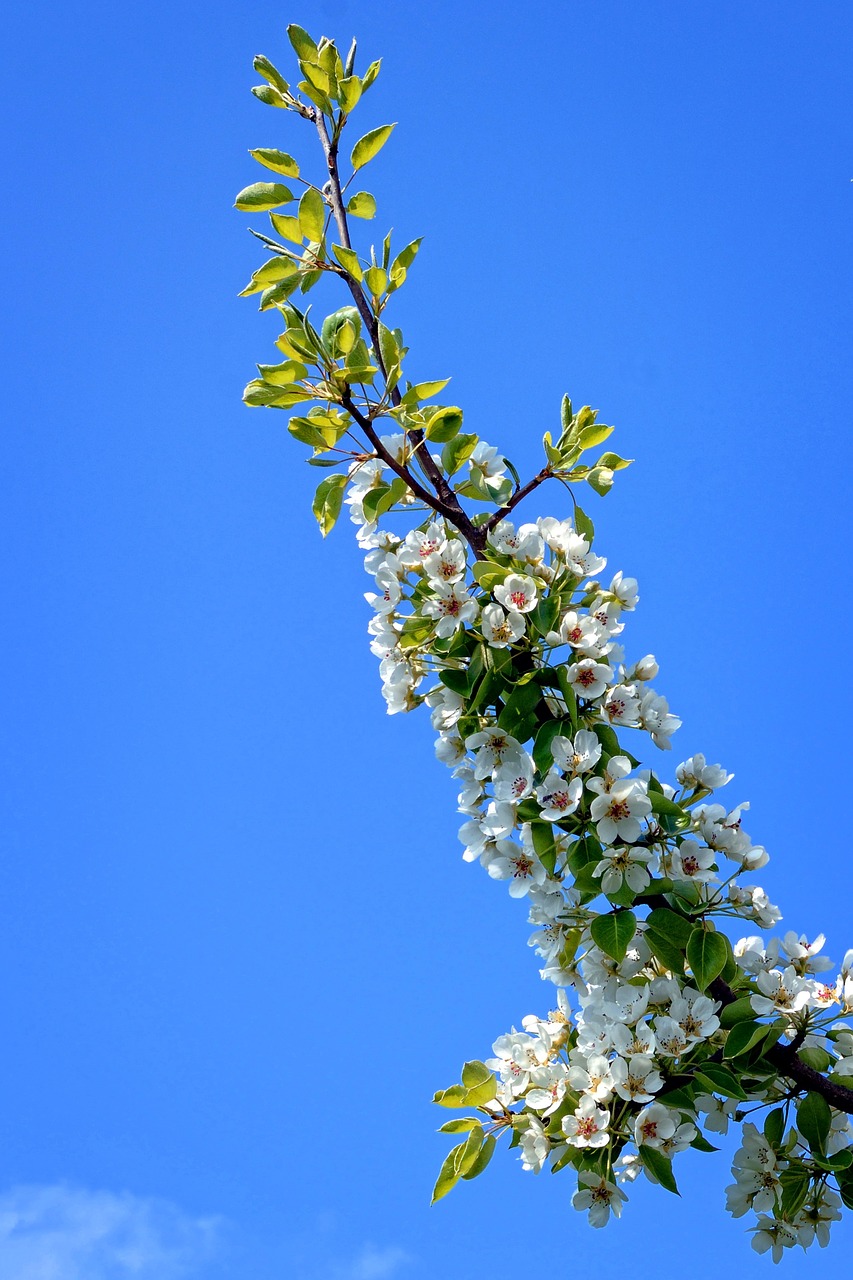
(501, 628)
(589, 678)
(447, 564)
(781, 992)
(517, 593)
(535, 1146)
(625, 865)
(452, 606)
(587, 1126)
(599, 1197)
(577, 755)
(636, 1080)
(558, 797)
(617, 812)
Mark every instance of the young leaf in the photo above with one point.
(362, 205)
(463, 1125)
(370, 145)
(482, 1158)
(312, 214)
(305, 47)
(447, 1175)
(444, 424)
(278, 161)
(287, 227)
(262, 195)
(348, 258)
(265, 68)
(328, 501)
(270, 96)
(455, 454)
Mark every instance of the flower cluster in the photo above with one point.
(635, 1065)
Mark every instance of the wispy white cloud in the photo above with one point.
(374, 1264)
(68, 1233)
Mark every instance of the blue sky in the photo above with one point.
(239, 948)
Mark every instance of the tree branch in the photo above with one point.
(785, 1059)
(390, 461)
(518, 496)
(450, 506)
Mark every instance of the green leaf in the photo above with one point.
(463, 1125)
(278, 161)
(447, 1175)
(774, 1126)
(482, 1159)
(269, 95)
(312, 214)
(402, 262)
(814, 1120)
(488, 571)
(370, 74)
(672, 924)
(350, 91)
(547, 732)
(544, 614)
(601, 480)
(658, 1165)
(362, 205)
(816, 1058)
(795, 1187)
(845, 1187)
(583, 524)
(743, 1037)
(701, 1143)
(613, 933)
(328, 501)
(287, 226)
(376, 280)
(262, 195)
(348, 258)
(452, 1097)
(722, 1080)
(739, 1010)
(614, 462)
(457, 452)
(542, 834)
(468, 1155)
(707, 955)
(665, 950)
(444, 424)
(426, 390)
(265, 68)
(665, 807)
(284, 374)
(593, 435)
(474, 1073)
(277, 268)
(480, 1094)
(370, 145)
(305, 47)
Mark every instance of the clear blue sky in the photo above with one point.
(239, 949)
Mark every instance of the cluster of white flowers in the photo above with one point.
(600, 1068)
